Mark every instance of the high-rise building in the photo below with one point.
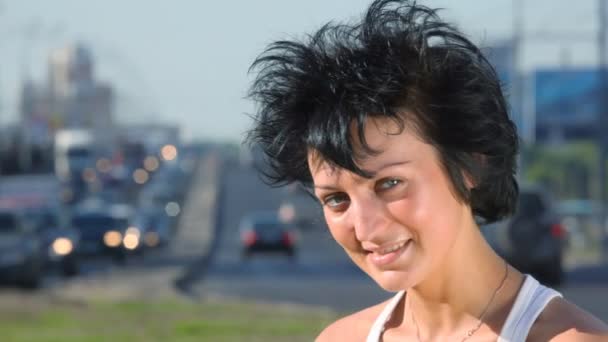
(79, 100)
(71, 97)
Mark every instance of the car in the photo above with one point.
(58, 240)
(164, 196)
(175, 174)
(266, 232)
(47, 219)
(21, 260)
(154, 225)
(533, 240)
(104, 230)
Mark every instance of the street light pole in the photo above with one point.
(602, 132)
(517, 90)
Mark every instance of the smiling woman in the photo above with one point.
(399, 126)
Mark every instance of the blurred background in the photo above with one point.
(128, 206)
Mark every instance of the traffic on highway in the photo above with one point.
(101, 200)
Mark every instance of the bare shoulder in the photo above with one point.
(353, 327)
(564, 321)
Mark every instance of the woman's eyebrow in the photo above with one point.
(325, 187)
(390, 164)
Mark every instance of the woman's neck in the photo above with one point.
(471, 280)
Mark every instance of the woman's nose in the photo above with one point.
(369, 218)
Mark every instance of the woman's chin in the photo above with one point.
(394, 281)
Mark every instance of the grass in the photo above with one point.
(159, 320)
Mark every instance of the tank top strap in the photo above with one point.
(378, 326)
(529, 304)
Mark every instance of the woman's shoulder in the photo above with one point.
(564, 321)
(354, 327)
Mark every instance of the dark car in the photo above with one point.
(172, 175)
(533, 239)
(154, 225)
(58, 240)
(21, 260)
(265, 232)
(164, 196)
(105, 230)
(47, 218)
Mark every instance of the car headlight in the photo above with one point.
(151, 239)
(112, 238)
(62, 246)
(132, 237)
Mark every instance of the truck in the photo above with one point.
(74, 151)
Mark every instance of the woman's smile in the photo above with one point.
(385, 257)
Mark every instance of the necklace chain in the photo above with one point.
(472, 331)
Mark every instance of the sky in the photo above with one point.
(186, 61)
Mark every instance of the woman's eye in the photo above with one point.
(389, 183)
(335, 201)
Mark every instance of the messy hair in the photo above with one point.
(317, 93)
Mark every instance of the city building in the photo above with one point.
(71, 97)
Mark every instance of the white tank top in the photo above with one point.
(529, 304)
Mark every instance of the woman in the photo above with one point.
(399, 126)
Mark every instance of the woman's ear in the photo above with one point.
(468, 181)
(472, 180)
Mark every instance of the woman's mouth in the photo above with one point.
(387, 255)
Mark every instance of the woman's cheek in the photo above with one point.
(337, 228)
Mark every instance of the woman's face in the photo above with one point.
(399, 226)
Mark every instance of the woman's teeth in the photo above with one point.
(392, 248)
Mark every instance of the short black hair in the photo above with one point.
(400, 58)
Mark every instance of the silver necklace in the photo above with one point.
(472, 331)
